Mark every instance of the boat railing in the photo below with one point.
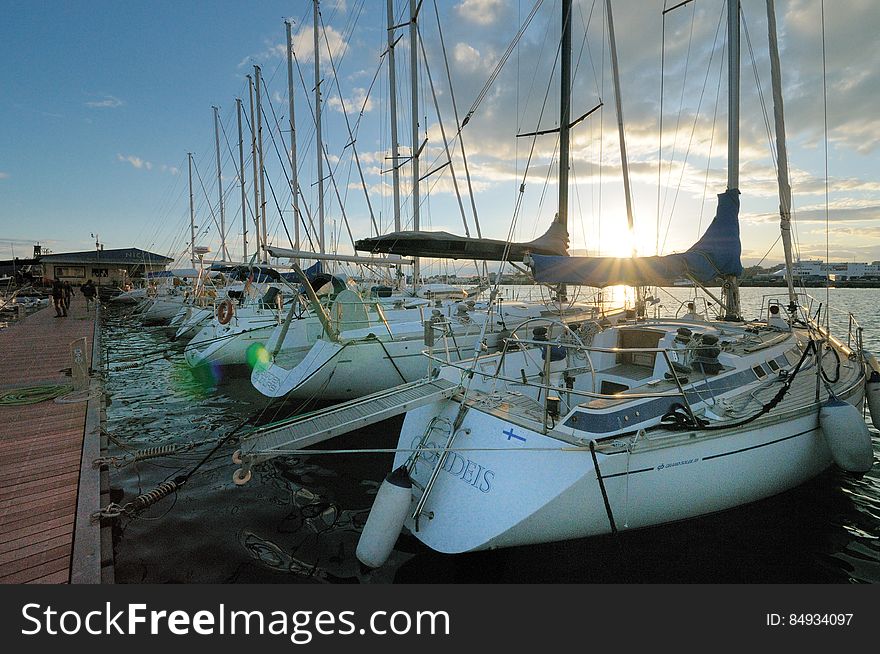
(812, 308)
(470, 368)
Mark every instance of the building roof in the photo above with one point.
(127, 256)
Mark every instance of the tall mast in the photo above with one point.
(192, 212)
(781, 152)
(731, 285)
(318, 139)
(241, 180)
(256, 164)
(564, 111)
(264, 255)
(414, 79)
(223, 253)
(395, 145)
(294, 179)
(618, 103)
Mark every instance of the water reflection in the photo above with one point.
(299, 518)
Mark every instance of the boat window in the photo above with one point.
(759, 371)
(612, 388)
(773, 365)
(638, 338)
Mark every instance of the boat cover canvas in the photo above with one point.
(716, 254)
(443, 245)
(178, 272)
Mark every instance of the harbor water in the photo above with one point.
(298, 520)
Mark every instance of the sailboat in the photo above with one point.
(368, 349)
(567, 435)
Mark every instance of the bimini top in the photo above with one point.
(716, 254)
(443, 245)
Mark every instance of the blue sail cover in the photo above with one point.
(716, 254)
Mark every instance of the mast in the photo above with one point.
(294, 179)
(619, 106)
(781, 153)
(564, 111)
(395, 145)
(255, 162)
(262, 255)
(318, 139)
(223, 252)
(414, 79)
(241, 179)
(624, 161)
(564, 123)
(192, 213)
(730, 289)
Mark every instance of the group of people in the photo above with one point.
(63, 291)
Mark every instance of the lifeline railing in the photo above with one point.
(471, 368)
(807, 303)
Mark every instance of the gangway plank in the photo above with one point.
(318, 426)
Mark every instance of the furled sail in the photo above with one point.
(443, 245)
(716, 254)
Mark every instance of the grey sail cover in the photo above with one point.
(443, 245)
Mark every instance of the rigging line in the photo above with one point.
(464, 221)
(681, 102)
(660, 129)
(693, 131)
(485, 91)
(825, 125)
(601, 131)
(467, 173)
(305, 204)
(711, 146)
(325, 154)
(204, 190)
(520, 197)
(586, 24)
(767, 253)
(760, 89)
(266, 177)
(351, 135)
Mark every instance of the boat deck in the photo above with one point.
(41, 454)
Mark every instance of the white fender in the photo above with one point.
(872, 397)
(386, 519)
(847, 436)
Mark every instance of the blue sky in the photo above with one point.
(102, 100)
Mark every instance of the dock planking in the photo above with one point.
(40, 448)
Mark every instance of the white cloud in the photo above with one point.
(107, 102)
(136, 162)
(355, 104)
(304, 46)
(4, 175)
(482, 12)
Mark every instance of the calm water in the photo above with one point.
(298, 519)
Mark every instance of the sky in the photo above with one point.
(102, 101)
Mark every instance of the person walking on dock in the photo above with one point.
(68, 293)
(58, 298)
(89, 292)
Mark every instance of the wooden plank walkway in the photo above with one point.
(40, 448)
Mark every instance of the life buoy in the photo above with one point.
(225, 312)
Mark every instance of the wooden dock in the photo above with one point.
(48, 486)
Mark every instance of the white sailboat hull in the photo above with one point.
(333, 371)
(483, 497)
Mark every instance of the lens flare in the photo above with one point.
(258, 357)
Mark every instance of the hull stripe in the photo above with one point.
(718, 456)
